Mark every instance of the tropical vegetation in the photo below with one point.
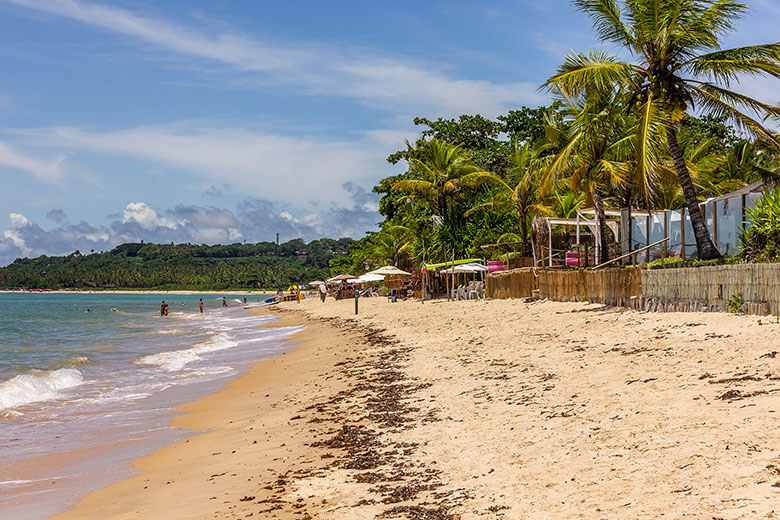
(264, 265)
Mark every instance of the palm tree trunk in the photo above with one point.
(524, 228)
(602, 223)
(704, 245)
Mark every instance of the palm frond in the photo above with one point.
(607, 22)
(646, 143)
(413, 186)
(707, 21)
(594, 70)
(729, 65)
(719, 102)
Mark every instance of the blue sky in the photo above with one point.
(223, 121)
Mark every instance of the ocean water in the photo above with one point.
(90, 382)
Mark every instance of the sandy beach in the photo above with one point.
(487, 409)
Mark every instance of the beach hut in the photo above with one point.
(395, 279)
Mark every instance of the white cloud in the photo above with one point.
(253, 220)
(14, 234)
(268, 165)
(397, 83)
(40, 169)
(18, 220)
(144, 215)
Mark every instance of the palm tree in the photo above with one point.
(567, 205)
(389, 245)
(678, 63)
(439, 183)
(600, 139)
(439, 176)
(522, 192)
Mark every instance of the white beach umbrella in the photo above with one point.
(316, 283)
(342, 278)
(370, 277)
(389, 270)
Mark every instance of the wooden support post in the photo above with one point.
(682, 231)
(647, 236)
(549, 242)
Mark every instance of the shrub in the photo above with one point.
(761, 241)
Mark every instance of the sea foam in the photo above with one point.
(44, 386)
(175, 360)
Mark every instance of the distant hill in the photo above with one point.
(181, 266)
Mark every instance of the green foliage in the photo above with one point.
(736, 302)
(181, 266)
(669, 260)
(761, 241)
(697, 130)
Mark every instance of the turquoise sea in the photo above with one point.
(99, 376)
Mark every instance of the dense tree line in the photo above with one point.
(138, 265)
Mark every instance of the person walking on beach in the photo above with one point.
(200, 305)
(162, 308)
(323, 292)
(224, 302)
(297, 294)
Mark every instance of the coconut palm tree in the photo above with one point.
(390, 245)
(598, 156)
(439, 183)
(522, 192)
(439, 176)
(677, 64)
(567, 204)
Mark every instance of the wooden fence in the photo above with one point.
(517, 283)
(713, 287)
(618, 286)
(672, 289)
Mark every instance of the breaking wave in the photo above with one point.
(34, 387)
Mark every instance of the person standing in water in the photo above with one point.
(200, 305)
(162, 308)
(245, 299)
(224, 302)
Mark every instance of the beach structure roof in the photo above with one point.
(370, 277)
(389, 270)
(451, 263)
(316, 283)
(466, 268)
(756, 187)
(342, 278)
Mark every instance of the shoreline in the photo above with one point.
(498, 409)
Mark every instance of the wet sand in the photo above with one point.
(499, 409)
